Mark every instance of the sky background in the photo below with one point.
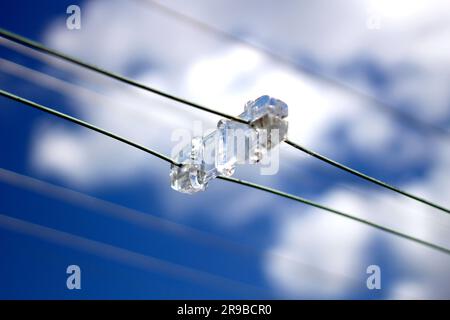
(71, 196)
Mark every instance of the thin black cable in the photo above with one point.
(127, 257)
(39, 47)
(340, 213)
(364, 176)
(85, 124)
(234, 180)
(150, 221)
(32, 44)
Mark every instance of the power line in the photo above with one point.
(148, 221)
(29, 43)
(39, 47)
(404, 116)
(234, 180)
(86, 125)
(68, 195)
(365, 176)
(338, 212)
(127, 257)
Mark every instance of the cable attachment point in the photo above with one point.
(230, 144)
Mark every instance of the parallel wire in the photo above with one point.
(150, 221)
(234, 180)
(86, 125)
(365, 176)
(128, 257)
(42, 48)
(37, 46)
(338, 212)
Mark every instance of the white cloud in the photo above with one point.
(412, 35)
(343, 246)
(182, 60)
(331, 243)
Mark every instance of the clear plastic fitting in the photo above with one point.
(230, 144)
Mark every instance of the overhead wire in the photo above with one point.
(37, 46)
(234, 180)
(155, 222)
(127, 257)
(86, 125)
(365, 176)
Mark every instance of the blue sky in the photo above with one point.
(295, 251)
